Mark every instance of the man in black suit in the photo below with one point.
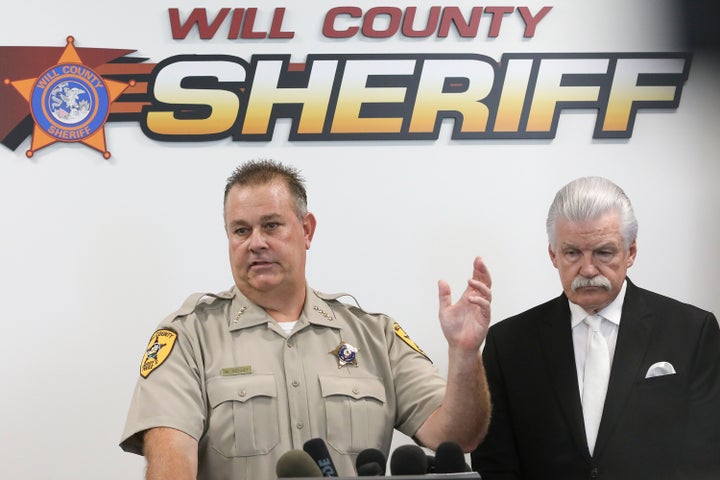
(631, 393)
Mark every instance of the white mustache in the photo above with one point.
(596, 281)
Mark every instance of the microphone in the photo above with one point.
(408, 460)
(370, 462)
(296, 464)
(317, 449)
(372, 469)
(450, 458)
(430, 463)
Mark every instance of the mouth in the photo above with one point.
(260, 264)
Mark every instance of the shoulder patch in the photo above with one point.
(157, 351)
(405, 338)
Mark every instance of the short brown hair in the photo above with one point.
(264, 171)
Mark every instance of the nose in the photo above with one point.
(257, 240)
(588, 268)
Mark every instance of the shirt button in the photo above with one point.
(594, 473)
(290, 343)
(356, 390)
(295, 383)
(299, 425)
(241, 393)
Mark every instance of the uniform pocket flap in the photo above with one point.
(240, 389)
(355, 387)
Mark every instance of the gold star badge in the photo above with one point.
(69, 102)
(346, 354)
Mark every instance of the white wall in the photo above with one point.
(94, 252)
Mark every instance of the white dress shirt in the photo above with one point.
(609, 329)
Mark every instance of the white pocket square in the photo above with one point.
(659, 369)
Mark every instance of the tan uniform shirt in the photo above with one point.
(233, 380)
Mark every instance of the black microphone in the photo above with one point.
(372, 469)
(408, 460)
(317, 449)
(450, 458)
(370, 462)
(297, 464)
(430, 463)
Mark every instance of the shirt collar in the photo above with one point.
(612, 312)
(317, 311)
(244, 313)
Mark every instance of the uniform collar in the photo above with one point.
(245, 314)
(316, 311)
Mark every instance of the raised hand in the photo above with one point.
(465, 323)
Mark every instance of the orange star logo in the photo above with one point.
(69, 102)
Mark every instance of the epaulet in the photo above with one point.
(334, 297)
(191, 303)
(329, 297)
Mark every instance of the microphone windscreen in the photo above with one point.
(298, 464)
(408, 460)
(317, 449)
(368, 456)
(430, 463)
(450, 458)
(372, 469)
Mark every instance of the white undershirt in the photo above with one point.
(609, 329)
(287, 326)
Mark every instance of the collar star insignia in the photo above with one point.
(346, 354)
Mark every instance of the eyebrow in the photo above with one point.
(263, 219)
(602, 246)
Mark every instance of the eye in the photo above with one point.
(572, 254)
(242, 231)
(605, 255)
(271, 225)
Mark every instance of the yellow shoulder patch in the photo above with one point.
(157, 351)
(405, 338)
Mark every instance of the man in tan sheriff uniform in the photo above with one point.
(232, 381)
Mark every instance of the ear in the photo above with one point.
(309, 223)
(553, 256)
(632, 253)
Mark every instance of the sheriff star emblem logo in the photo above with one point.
(69, 102)
(346, 354)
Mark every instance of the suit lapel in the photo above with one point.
(555, 336)
(632, 343)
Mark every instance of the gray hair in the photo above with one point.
(588, 198)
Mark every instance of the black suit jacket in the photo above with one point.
(665, 427)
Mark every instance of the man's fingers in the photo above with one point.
(481, 272)
(479, 288)
(444, 294)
